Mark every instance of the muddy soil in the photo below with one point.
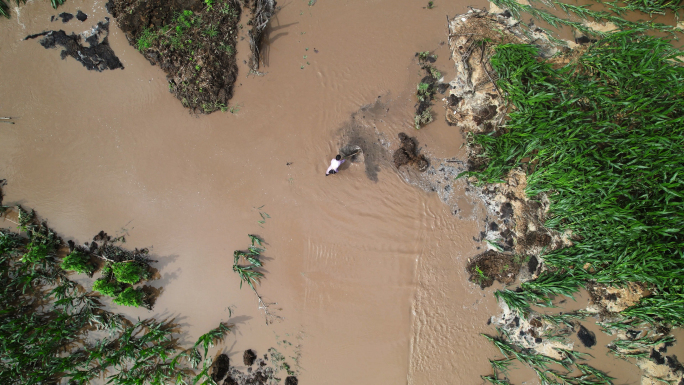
(258, 371)
(491, 265)
(97, 55)
(192, 42)
(407, 154)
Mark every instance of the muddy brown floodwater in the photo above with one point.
(367, 269)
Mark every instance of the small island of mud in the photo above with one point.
(194, 42)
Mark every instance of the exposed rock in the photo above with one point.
(249, 357)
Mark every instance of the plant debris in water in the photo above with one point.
(97, 55)
(247, 265)
(426, 89)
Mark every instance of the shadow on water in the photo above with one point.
(360, 133)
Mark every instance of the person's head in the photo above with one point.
(338, 157)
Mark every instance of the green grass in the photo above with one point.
(607, 133)
(146, 39)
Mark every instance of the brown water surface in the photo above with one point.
(115, 151)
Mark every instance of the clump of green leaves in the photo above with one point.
(228, 10)
(423, 118)
(130, 297)
(424, 92)
(130, 272)
(106, 287)
(79, 262)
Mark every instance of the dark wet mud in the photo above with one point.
(492, 266)
(97, 55)
(407, 154)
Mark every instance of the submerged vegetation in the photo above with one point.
(4, 6)
(612, 12)
(571, 368)
(425, 91)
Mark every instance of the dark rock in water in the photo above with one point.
(584, 40)
(532, 264)
(220, 367)
(587, 337)
(663, 349)
(538, 340)
(657, 357)
(506, 210)
(407, 154)
(674, 364)
(249, 357)
(52, 18)
(493, 226)
(81, 16)
(66, 17)
(97, 56)
(291, 380)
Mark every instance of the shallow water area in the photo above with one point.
(355, 264)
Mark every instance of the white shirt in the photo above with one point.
(334, 164)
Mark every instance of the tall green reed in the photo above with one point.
(606, 135)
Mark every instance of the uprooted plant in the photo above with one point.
(245, 264)
(262, 12)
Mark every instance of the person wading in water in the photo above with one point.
(334, 164)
